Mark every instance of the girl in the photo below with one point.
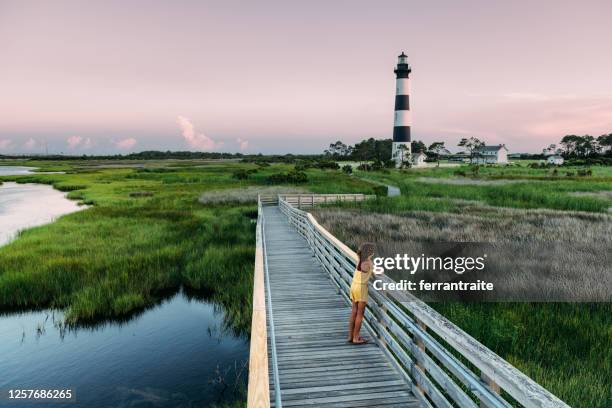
(359, 291)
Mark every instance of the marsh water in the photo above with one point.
(15, 170)
(179, 353)
(28, 205)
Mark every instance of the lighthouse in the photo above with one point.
(401, 125)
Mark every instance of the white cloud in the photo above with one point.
(30, 143)
(5, 143)
(125, 144)
(244, 144)
(78, 141)
(194, 139)
(74, 141)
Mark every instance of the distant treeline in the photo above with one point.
(587, 146)
(368, 150)
(159, 155)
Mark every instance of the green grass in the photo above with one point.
(128, 250)
(529, 192)
(566, 348)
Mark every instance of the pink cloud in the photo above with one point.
(244, 144)
(125, 144)
(194, 139)
(78, 141)
(30, 143)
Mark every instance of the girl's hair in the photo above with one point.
(365, 250)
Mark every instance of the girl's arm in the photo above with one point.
(366, 266)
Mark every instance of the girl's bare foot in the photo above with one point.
(359, 340)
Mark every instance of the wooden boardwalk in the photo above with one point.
(316, 366)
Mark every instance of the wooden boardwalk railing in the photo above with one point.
(440, 364)
(258, 388)
(310, 200)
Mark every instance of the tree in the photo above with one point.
(570, 144)
(472, 145)
(404, 156)
(418, 146)
(605, 143)
(372, 150)
(438, 149)
(551, 149)
(338, 150)
(587, 145)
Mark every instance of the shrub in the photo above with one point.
(331, 165)
(588, 161)
(380, 191)
(406, 164)
(585, 173)
(364, 167)
(377, 165)
(347, 168)
(243, 174)
(141, 194)
(293, 176)
(69, 187)
(303, 165)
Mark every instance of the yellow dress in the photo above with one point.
(359, 285)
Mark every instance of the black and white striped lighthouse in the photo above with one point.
(401, 125)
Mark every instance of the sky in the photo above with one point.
(102, 77)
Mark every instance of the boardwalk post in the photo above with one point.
(421, 345)
(299, 201)
(383, 310)
(493, 386)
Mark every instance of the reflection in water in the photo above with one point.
(28, 205)
(178, 353)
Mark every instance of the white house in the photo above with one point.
(418, 160)
(556, 160)
(491, 155)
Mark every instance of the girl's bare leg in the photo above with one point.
(352, 322)
(358, 320)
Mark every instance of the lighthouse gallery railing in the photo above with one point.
(446, 366)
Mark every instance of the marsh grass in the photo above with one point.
(246, 194)
(534, 255)
(128, 250)
(528, 194)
